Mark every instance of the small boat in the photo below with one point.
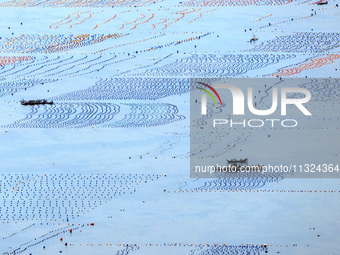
(254, 38)
(322, 2)
(238, 161)
(34, 102)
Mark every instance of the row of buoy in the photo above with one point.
(219, 3)
(183, 244)
(50, 43)
(311, 64)
(13, 59)
(68, 3)
(258, 191)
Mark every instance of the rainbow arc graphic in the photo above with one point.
(204, 97)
